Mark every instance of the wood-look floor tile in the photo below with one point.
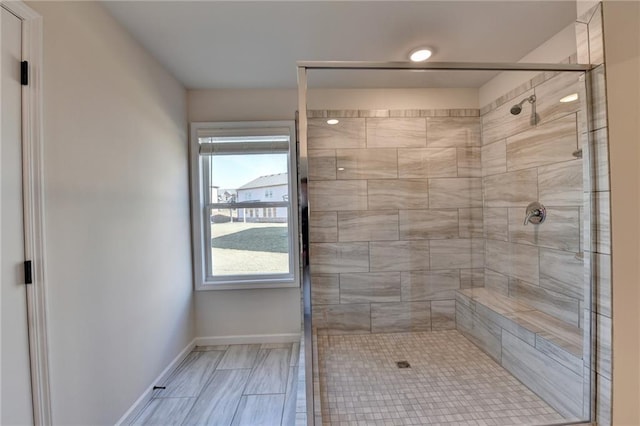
(289, 412)
(259, 410)
(270, 372)
(219, 399)
(239, 356)
(191, 376)
(206, 348)
(165, 411)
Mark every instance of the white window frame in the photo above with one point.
(200, 221)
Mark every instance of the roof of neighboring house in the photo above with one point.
(268, 180)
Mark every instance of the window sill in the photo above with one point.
(246, 285)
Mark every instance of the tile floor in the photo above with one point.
(450, 381)
(244, 385)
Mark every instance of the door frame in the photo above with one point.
(33, 196)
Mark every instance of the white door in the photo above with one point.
(16, 406)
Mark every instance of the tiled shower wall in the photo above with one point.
(395, 202)
(526, 159)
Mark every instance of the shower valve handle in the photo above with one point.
(536, 213)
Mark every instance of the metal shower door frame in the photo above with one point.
(303, 174)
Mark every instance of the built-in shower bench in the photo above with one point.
(543, 352)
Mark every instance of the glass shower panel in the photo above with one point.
(450, 231)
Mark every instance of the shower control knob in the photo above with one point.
(536, 213)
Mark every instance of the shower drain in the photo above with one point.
(403, 364)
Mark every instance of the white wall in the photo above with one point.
(622, 47)
(117, 214)
(223, 313)
(552, 51)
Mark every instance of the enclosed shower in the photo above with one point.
(453, 252)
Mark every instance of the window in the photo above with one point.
(239, 240)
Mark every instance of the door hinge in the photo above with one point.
(28, 276)
(24, 73)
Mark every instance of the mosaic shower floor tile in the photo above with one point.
(449, 382)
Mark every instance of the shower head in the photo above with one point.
(517, 108)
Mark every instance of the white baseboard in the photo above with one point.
(247, 339)
(144, 399)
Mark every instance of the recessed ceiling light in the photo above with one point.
(420, 54)
(569, 98)
(333, 121)
(340, 169)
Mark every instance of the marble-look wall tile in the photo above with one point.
(325, 289)
(496, 281)
(430, 285)
(582, 41)
(514, 260)
(343, 319)
(545, 144)
(549, 93)
(561, 387)
(601, 220)
(472, 278)
(456, 253)
(349, 133)
(323, 227)
(561, 271)
(561, 184)
(443, 315)
(428, 224)
(596, 42)
(455, 193)
(367, 163)
(370, 113)
(603, 393)
(603, 336)
(560, 230)
(511, 189)
(370, 287)
(496, 223)
(367, 225)
(322, 164)
(406, 113)
(597, 169)
(500, 123)
(602, 271)
(481, 331)
(327, 258)
(494, 158)
(338, 195)
(398, 194)
(419, 163)
(400, 317)
(342, 113)
(470, 223)
(469, 164)
(598, 98)
(396, 132)
(550, 302)
(399, 255)
(559, 354)
(453, 132)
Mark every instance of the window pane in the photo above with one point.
(248, 177)
(245, 242)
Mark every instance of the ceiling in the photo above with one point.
(255, 44)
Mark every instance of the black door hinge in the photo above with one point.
(24, 73)
(28, 277)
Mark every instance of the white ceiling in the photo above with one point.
(242, 44)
